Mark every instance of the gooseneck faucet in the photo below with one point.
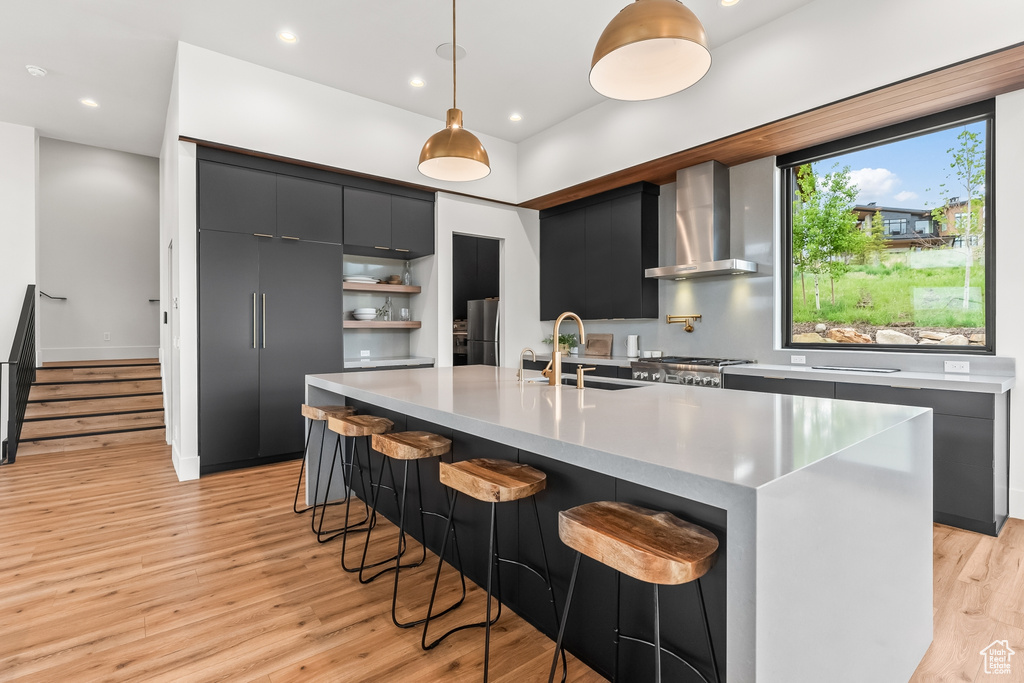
(522, 355)
(554, 369)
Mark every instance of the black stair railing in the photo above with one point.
(21, 373)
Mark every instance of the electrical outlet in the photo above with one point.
(106, 336)
(957, 366)
(365, 353)
(798, 360)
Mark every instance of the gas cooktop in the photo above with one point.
(704, 372)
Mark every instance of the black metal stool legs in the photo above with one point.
(325, 535)
(302, 468)
(373, 493)
(565, 617)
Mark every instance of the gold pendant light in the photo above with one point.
(652, 48)
(454, 153)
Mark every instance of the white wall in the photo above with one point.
(18, 176)
(98, 229)
(822, 52)
(237, 103)
(519, 232)
(1009, 275)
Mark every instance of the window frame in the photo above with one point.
(972, 113)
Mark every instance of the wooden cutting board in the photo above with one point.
(599, 344)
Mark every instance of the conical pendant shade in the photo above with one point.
(652, 48)
(454, 153)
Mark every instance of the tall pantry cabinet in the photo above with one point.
(270, 307)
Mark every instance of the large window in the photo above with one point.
(889, 238)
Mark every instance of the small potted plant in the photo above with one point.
(566, 342)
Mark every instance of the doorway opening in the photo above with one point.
(476, 284)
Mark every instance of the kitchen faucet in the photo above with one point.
(554, 369)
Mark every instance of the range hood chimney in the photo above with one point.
(702, 226)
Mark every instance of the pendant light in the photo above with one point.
(454, 153)
(652, 48)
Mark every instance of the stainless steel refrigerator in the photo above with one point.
(483, 331)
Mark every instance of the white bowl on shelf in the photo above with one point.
(364, 316)
(365, 310)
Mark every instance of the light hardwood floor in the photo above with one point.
(113, 570)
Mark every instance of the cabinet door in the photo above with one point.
(308, 209)
(301, 333)
(625, 272)
(367, 219)
(464, 274)
(488, 268)
(229, 409)
(599, 263)
(563, 264)
(780, 385)
(412, 227)
(234, 199)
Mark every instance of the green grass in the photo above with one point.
(885, 294)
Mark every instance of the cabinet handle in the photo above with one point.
(254, 323)
(264, 320)
(260, 234)
(286, 237)
(384, 248)
(405, 250)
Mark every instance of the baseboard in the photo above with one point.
(1017, 503)
(98, 353)
(187, 469)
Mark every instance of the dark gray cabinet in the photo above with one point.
(236, 199)
(386, 225)
(970, 442)
(594, 252)
(270, 312)
(308, 210)
(475, 271)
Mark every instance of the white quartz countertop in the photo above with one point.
(743, 439)
(989, 384)
(387, 362)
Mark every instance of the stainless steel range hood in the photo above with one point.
(702, 226)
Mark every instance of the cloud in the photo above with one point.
(873, 184)
(905, 196)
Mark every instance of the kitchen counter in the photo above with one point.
(828, 502)
(989, 384)
(387, 362)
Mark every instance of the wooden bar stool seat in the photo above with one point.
(411, 445)
(352, 426)
(654, 547)
(318, 414)
(491, 481)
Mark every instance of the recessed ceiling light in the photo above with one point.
(37, 71)
(728, 3)
(515, 117)
(417, 82)
(89, 102)
(287, 37)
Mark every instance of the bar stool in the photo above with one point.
(317, 414)
(490, 481)
(353, 427)
(409, 447)
(653, 547)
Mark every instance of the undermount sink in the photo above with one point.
(587, 383)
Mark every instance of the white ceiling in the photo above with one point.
(528, 56)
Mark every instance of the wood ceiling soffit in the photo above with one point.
(960, 84)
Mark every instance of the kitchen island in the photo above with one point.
(823, 508)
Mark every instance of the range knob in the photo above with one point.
(705, 381)
(656, 377)
(688, 379)
(636, 374)
(716, 382)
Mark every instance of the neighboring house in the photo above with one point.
(902, 228)
(952, 227)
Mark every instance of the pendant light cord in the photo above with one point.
(455, 80)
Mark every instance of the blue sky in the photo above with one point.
(904, 174)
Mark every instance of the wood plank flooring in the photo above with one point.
(113, 570)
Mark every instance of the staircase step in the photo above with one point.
(93, 424)
(153, 435)
(100, 363)
(50, 392)
(91, 374)
(93, 406)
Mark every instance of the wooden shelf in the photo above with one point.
(383, 324)
(383, 289)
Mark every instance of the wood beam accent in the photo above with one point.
(967, 82)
